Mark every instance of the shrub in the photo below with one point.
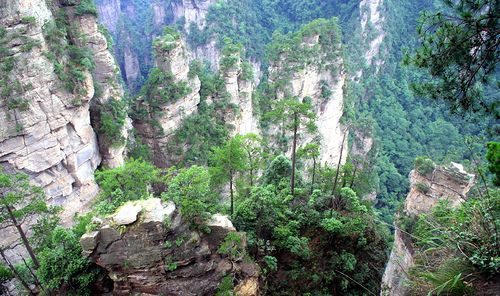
(28, 20)
(112, 116)
(86, 7)
(424, 165)
(232, 246)
(422, 187)
(131, 181)
(225, 287)
(190, 190)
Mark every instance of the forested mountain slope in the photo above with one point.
(250, 147)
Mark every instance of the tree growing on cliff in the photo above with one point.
(252, 144)
(227, 162)
(460, 48)
(132, 181)
(190, 189)
(21, 203)
(294, 114)
(310, 151)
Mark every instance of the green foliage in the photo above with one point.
(86, 7)
(112, 115)
(138, 150)
(280, 169)
(28, 20)
(61, 262)
(226, 162)
(225, 287)
(190, 190)
(12, 90)
(168, 41)
(460, 51)
(5, 273)
(257, 20)
(21, 198)
(422, 187)
(159, 90)
(231, 54)
(457, 244)
(131, 181)
(171, 266)
(279, 226)
(207, 128)
(424, 165)
(70, 61)
(109, 39)
(232, 247)
(493, 157)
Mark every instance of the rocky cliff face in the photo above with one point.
(372, 25)
(240, 86)
(452, 183)
(193, 11)
(123, 17)
(148, 248)
(321, 79)
(106, 79)
(175, 62)
(45, 129)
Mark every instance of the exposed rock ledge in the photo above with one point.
(451, 183)
(148, 248)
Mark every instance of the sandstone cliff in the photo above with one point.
(45, 117)
(128, 23)
(172, 58)
(239, 84)
(320, 77)
(372, 25)
(147, 247)
(444, 182)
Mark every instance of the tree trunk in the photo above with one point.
(338, 166)
(16, 274)
(294, 147)
(353, 176)
(231, 189)
(314, 174)
(26, 243)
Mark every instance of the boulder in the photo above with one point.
(157, 253)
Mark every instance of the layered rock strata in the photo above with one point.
(450, 183)
(148, 248)
(173, 62)
(49, 136)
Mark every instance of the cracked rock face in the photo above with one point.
(158, 254)
(445, 182)
(240, 91)
(52, 140)
(176, 62)
(451, 183)
(309, 82)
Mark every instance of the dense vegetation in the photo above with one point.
(307, 224)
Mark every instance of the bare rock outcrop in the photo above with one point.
(148, 248)
(450, 183)
(47, 133)
(321, 78)
(106, 78)
(239, 84)
(193, 11)
(172, 58)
